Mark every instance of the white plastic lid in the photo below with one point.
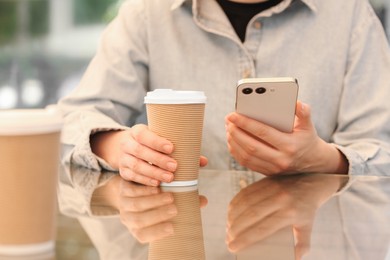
(30, 121)
(170, 96)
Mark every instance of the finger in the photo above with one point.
(128, 175)
(203, 161)
(248, 146)
(261, 131)
(131, 189)
(203, 201)
(258, 232)
(246, 157)
(302, 237)
(303, 118)
(250, 216)
(143, 135)
(153, 233)
(247, 201)
(138, 220)
(134, 169)
(141, 204)
(149, 155)
(260, 190)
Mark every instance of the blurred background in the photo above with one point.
(45, 46)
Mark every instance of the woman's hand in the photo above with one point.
(277, 202)
(140, 155)
(147, 211)
(264, 149)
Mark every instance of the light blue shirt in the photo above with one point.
(337, 50)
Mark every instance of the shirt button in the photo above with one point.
(246, 73)
(243, 183)
(257, 25)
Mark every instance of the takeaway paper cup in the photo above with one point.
(29, 158)
(178, 116)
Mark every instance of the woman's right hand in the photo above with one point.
(140, 155)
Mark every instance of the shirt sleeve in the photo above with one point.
(110, 94)
(363, 130)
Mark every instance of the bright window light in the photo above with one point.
(8, 97)
(32, 92)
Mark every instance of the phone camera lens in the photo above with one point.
(247, 91)
(260, 90)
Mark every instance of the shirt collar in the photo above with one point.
(177, 3)
(312, 4)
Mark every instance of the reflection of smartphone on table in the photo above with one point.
(268, 100)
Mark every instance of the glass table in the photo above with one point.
(228, 215)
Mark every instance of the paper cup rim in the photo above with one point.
(178, 189)
(170, 96)
(30, 121)
(179, 183)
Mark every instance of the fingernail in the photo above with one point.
(169, 229)
(168, 198)
(154, 182)
(171, 166)
(228, 239)
(167, 177)
(167, 148)
(232, 117)
(172, 211)
(155, 190)
(232, 247)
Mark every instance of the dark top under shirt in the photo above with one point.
(240, 14)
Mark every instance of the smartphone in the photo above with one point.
(269, 100)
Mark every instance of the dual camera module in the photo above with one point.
(259, 90)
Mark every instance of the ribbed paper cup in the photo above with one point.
(178, 116)
(187, 241)
(29, 158)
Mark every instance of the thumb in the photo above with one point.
(302, 112)
(302, 237)
(203, 161)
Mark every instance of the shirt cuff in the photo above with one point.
(355, 161)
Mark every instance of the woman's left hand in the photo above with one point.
(264, 149)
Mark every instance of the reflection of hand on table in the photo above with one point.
(274, 203)
(146, 211)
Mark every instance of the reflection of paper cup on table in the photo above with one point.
(178, 116)
(187, 241)
(29, 159)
